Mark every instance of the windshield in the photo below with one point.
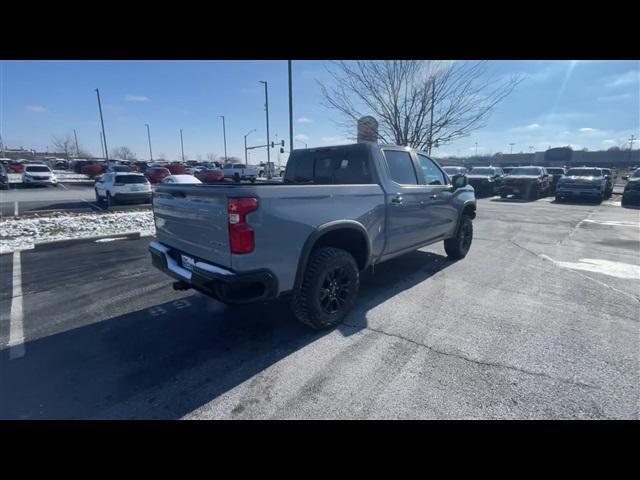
(636, 174)
(555, 171)
(584, 172)
(525, 171)
(482, 171)
(37, 168)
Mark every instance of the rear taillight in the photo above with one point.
(240, 233)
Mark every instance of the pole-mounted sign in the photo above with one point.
(367, 129)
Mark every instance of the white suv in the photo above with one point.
(38, 174)
(114, 187)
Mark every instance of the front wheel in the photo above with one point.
(458, 246)
(328, 290)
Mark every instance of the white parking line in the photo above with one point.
(15, 209)
(16, 333)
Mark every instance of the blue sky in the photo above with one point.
(586, 104)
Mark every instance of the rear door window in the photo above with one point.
(337, 166)
(401, 167)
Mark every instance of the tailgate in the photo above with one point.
(193, 220)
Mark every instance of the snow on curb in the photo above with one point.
(25, 233)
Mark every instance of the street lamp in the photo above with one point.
(266, 107)
(149, 138)
(224, 134)
(300, 141)
(246, 159)
(182, 145)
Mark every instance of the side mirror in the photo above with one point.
(459, 181)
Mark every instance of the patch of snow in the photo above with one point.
(24, 233)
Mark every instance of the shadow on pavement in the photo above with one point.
(176, 356)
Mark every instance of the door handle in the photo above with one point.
(397, 200)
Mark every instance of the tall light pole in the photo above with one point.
(300, 141)
(149, 138)
(224, 135)
(246, 158)
(102, 146)
(104, 136)
(77, 148)
(476, 149)
(266, 108)
(511, 144)
(182, 145)
(290, 108)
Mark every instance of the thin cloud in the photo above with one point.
(615, 98)
(533, 126)
(305, 120)
(136, 98)
(302, 137)
(628, 78)
(35, 108)
(588, 130)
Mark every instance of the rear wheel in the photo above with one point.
(328, 290)
(458, 246)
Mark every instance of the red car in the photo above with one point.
(15, 167)
(177, 169)
(157, 174)
(210, 175)
(93, 169)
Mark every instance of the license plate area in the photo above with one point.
(187, 262)
(516, 190)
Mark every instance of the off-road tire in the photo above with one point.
(306, 302)
(458, 246)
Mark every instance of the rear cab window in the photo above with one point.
(331, 166)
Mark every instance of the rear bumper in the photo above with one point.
(214, 281)
(133, 197)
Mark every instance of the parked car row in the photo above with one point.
(533, 182)
(631, 194)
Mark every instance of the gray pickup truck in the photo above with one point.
(338, 211)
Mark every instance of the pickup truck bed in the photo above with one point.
(252, 242)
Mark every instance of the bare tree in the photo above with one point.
(417, 103)
(122, 153)
(64, 145)
(212, 157)
(232, 160)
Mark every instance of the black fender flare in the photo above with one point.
(312, 239)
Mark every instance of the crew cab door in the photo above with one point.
(409, 220)
(441, 211)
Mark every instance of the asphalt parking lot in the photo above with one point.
(540, 321)
(38, 199)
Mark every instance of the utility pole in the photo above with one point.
(631, 140)
(224, 135)
(149, 138)
(182, 145)
(476, 149)
(104, 136)
(290, 108)
(266, 107)
(433, 99)
(77, 148)
(246, 158)
(102, 146)
(511, 144)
